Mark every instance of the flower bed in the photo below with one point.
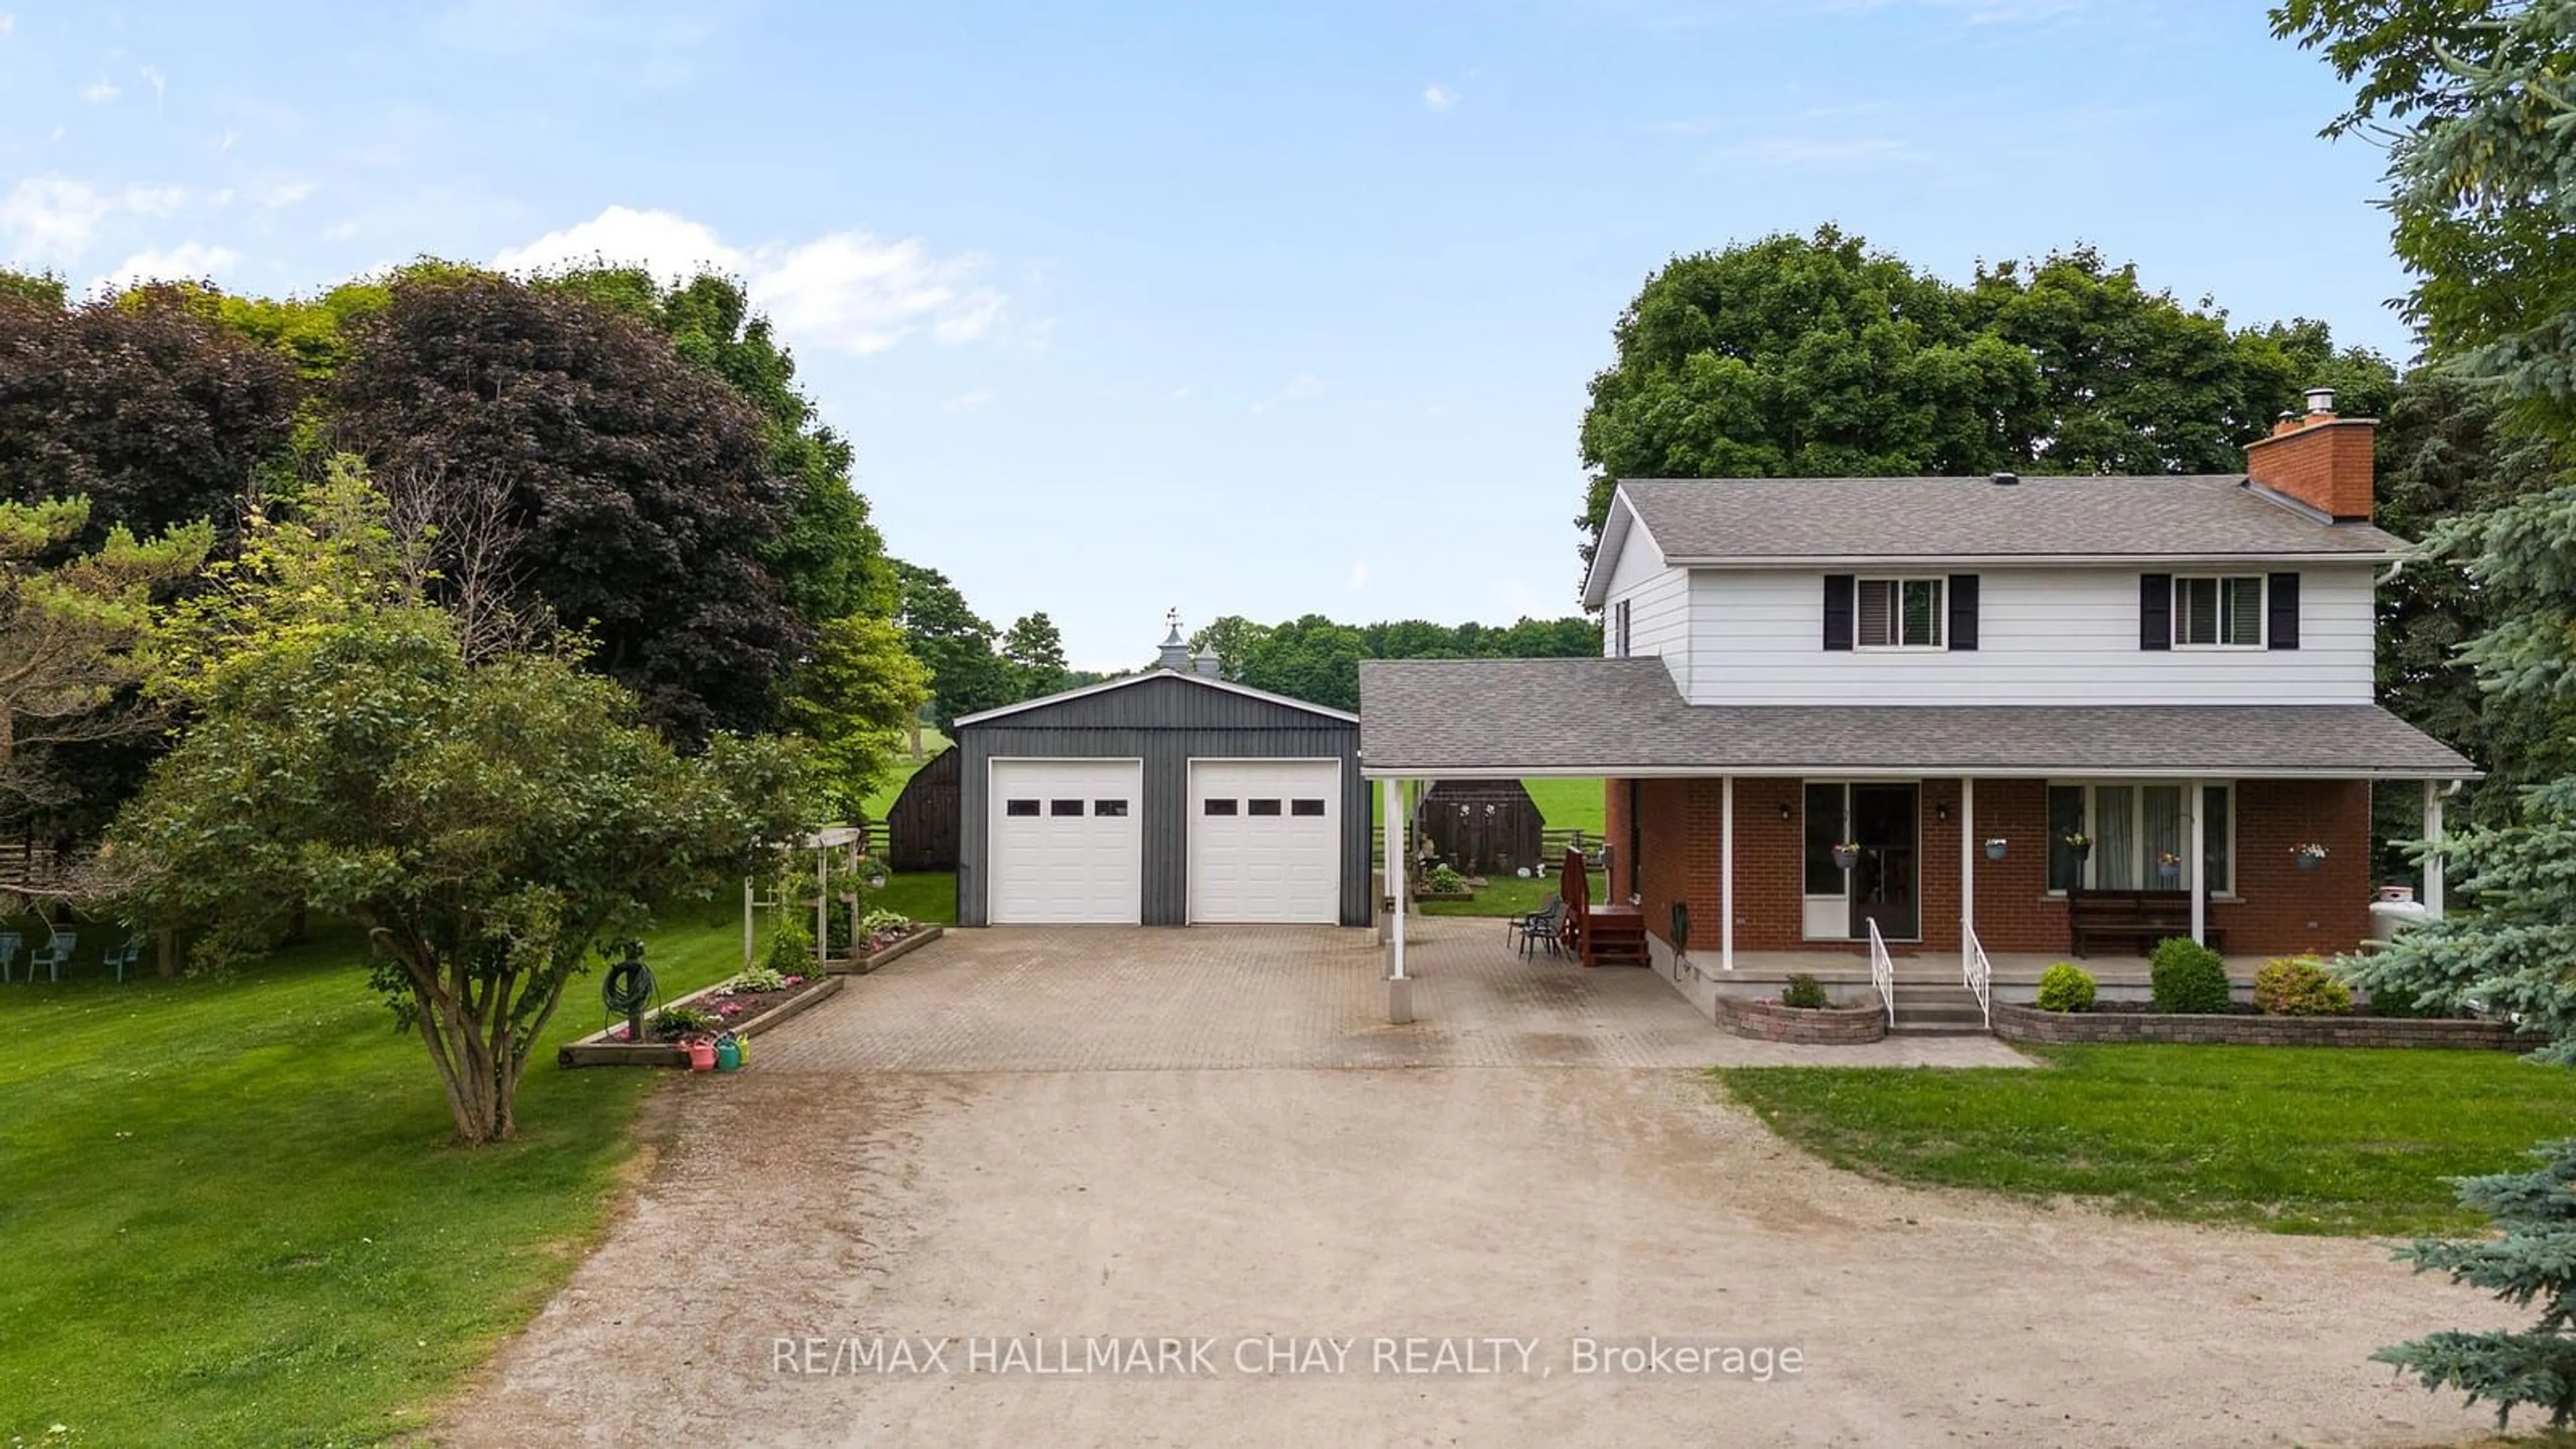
(884, 947)
(739, 1011)
(1765, 1019)
(2127, 1021)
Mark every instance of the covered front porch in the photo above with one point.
(1942, 856)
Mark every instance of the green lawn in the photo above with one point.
(924, 895)
(2296, 1140)
(882, 798)
(1568, 804)
(232, 1216)
(1507, 895)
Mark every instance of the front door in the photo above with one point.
(1886, 883)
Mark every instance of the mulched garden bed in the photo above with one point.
(742, 1013)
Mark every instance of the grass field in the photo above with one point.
(905, 767)
(2292, 1139)
(232, 1216)
(1567, 804)
(1504, 896)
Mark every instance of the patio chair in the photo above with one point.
(123, 956)
(1538, 926)
(56, 954)
(11, 943)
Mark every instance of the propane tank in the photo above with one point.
(2395, 911)
(728, 1053)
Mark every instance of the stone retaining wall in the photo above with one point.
(2029, 1024)
(1764, 1019)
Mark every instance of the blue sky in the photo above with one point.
(1235, 309)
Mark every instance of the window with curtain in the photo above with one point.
(1899, 614)
(2219, 612)
(2131, 824)
(1825, 826)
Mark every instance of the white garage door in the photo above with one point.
(1068, 842)
(1265, 840)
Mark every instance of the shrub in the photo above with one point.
(1447, 882)
(791, 944)
(2300, 986)
(1806, 992)
(2065, 987)
(876, 921)
(672, 1023)
(2186, 976)
(2397, 1001)
(761, 978)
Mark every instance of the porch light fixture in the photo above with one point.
(1941, 811)
(1785, 812)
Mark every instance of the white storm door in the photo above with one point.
(1067, 842)
(1265, 841)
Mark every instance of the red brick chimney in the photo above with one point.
(2321, 460)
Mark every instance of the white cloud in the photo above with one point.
(1304, 384)
(100, 91)
(160, 85)
(1437, 98)
(850, 291)
(48, 219)
(1359, 575)
(188, 261)
(286, 193)
(8, 23)
(967, 402)
(154, 200)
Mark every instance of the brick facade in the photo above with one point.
(2278, 910)
(2323, 461)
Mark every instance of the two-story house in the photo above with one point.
(1943, 708)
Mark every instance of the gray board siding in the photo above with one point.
(1166, 725)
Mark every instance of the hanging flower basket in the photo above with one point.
(1997, 848)
(1846, 855)
(2168, 864)
(2078, 842)
(2309, 854)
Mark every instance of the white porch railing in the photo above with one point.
(1882, 971)
(1980, 976)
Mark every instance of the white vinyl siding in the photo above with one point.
(1657, 600)
(2057, 635)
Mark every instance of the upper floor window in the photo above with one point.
(2218, 612)
(1898, 614)
(1619, 637)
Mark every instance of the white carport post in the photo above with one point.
(1726, 873)
(2193, 806)
(1967, 869)
(1399, 987)
(2433, 865)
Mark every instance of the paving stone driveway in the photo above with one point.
(1068, 1137)
(1107, 998)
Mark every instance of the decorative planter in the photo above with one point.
(862, 965)
(1765, 1019)
(2309, 862)
(1997, 849)
(2168, 872)
(2079, 851)
(600, 1050)
(1845, 859)
(2017, 1023)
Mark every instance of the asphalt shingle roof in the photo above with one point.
(1427, 717)
(1899, 518)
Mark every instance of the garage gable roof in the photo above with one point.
(1131, 681)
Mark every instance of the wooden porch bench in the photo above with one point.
(2140, 917)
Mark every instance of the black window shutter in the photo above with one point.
(1838, 611)
(1963, 611)
(2281, 602)
(2155, 611)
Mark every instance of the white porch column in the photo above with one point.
(2434, 867)
(1399, 988)
(1726, 873)
(1968, 847)
(2196, 862)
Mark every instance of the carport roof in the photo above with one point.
(1426, 718)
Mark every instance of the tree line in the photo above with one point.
(1315, 659)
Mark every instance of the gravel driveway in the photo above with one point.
(1245, 1252)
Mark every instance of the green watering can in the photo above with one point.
(729, 1053)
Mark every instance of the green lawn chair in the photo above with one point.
(11, 943)
(123, 956)
(56, 955)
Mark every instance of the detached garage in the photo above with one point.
(1163, 799)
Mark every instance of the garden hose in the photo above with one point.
(628, 989)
